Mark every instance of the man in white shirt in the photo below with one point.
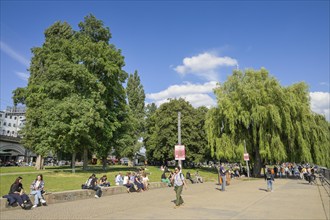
(179, 182)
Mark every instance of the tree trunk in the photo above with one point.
(73, 162)
(104, 163)
(85, 161)
(257, 163)
(39, 163)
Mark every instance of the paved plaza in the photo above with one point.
(291, 199)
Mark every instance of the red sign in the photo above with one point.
(180, 152)
(246, 157)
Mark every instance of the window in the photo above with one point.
(7, 132)
(11, 117)
(9, 124)
(13, 132)
(14, 125)
(4, 124)
(15, 118)
(0, 115)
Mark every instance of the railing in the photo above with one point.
(325, 173)
(324, 176)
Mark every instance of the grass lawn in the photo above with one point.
(61, 178)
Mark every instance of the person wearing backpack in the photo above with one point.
(91, 183)
(269, 177)
(178, 181)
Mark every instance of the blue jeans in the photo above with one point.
(37, 196)
(270, 184)
(223, 186)
(19, 198)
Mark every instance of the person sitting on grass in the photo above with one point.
(188, 177)
(37, 188)
(199, 179)
(166, 180)
(16, 195)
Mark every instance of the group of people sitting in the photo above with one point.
(168, 179)
(133, 181)
(138, 181)
(17, 194)
(95, 184)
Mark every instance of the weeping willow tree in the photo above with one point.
(276, 122)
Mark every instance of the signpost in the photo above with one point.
(246, 156)
(179, 152)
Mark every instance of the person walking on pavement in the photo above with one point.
(269, 177)
(223, 177)
(178, 181)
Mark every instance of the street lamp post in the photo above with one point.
(179, 136)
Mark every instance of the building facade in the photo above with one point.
(12, 152)
(11, 121)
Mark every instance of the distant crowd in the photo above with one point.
(139, 181)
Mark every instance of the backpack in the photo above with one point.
(87, 184)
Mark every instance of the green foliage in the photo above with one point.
(276, 122)
(75, 99)
(136, 98)
(162, 131)
(19, 95)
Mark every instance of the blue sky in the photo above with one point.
(182, 48)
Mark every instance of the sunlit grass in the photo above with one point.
(62, 179)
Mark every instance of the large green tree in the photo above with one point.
(162, 133)
(276, 122)
(136, 99)
(74, 96)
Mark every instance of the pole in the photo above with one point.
(247, 163)
(179, 135)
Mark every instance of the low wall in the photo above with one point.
(65, 196)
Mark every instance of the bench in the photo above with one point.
(71, 195)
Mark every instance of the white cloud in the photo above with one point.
(204, 65)
(320, 103)
(324, 84)
(23, 76)
(195, 94)
(13, 54)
